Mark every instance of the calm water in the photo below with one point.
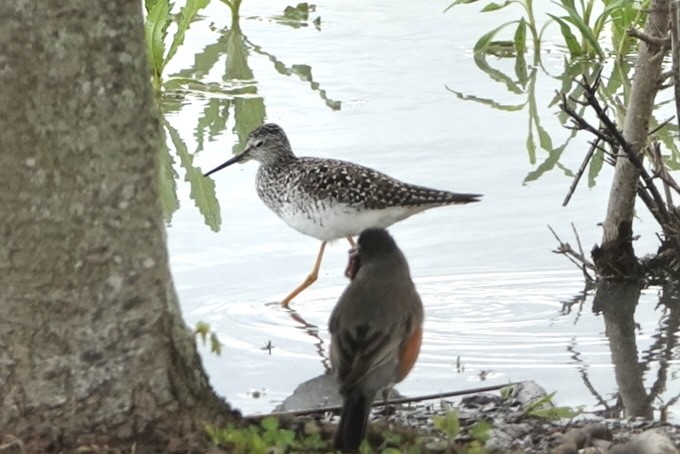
(498, 302)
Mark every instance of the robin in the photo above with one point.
(376, 331)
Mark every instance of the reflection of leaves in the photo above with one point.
(186, 15)
(205, 60)
(298, 16)
(249, 113)
(202, 189)
(487, 101)
(234, 99)
(304, 72)
(213, 120)
(498, 76)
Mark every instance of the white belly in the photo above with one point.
(340, 221)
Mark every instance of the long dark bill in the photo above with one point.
(237, 158)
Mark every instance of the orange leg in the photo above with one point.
(351, 241)
(313, 275)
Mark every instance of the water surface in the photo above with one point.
(500, 306)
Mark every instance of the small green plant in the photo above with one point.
(582, 19)
(544, 408)
(267, 437)
(203, 331)
(480, 433)
(158, 18)
(582, 26)
(449, 424)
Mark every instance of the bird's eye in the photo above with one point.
(259, 143)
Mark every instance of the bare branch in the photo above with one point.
(649, 39)
(577, 258)
(380, 402)
(658, 206)
(581, 170)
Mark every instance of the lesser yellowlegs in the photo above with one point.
(330, 199)
(376, 331)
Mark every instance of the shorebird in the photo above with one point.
(330, 199)
(376, 331)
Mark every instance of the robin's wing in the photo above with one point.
(362, 349)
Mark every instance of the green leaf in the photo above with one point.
(580, 22)
(365, 448)
(486, 39)
(459, 2)
(494, 7)
(569, 38)
(521, 70)
(544, 139)
(480, 431)
(448, 423)
(595, 166)
(155, 30)
(521, 37)
(215, 344)
(270, 423)
(531, 147)
(202, 329)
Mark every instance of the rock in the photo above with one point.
(652, 441)
(321, 391)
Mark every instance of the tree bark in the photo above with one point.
(616, 256)
(92, 345)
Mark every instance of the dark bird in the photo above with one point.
(330, 199)
(376, 331)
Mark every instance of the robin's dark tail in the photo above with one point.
(353, 420)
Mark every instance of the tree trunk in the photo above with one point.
(616, 256)
(92, 346)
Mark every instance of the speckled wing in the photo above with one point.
(357, 185)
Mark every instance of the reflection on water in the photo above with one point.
(503, 327)
(499, 306)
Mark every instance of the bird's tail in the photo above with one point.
(353, 421)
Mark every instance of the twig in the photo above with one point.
(660, 126)
(649, 39)
(580, 122)
(380, 402)
(590, 92)
(581, 170)
(578, 259)
(589, 279)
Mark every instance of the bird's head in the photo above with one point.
(266, 144)
(374, 245)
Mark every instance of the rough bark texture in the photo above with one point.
(92, 346)
(621, 207)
